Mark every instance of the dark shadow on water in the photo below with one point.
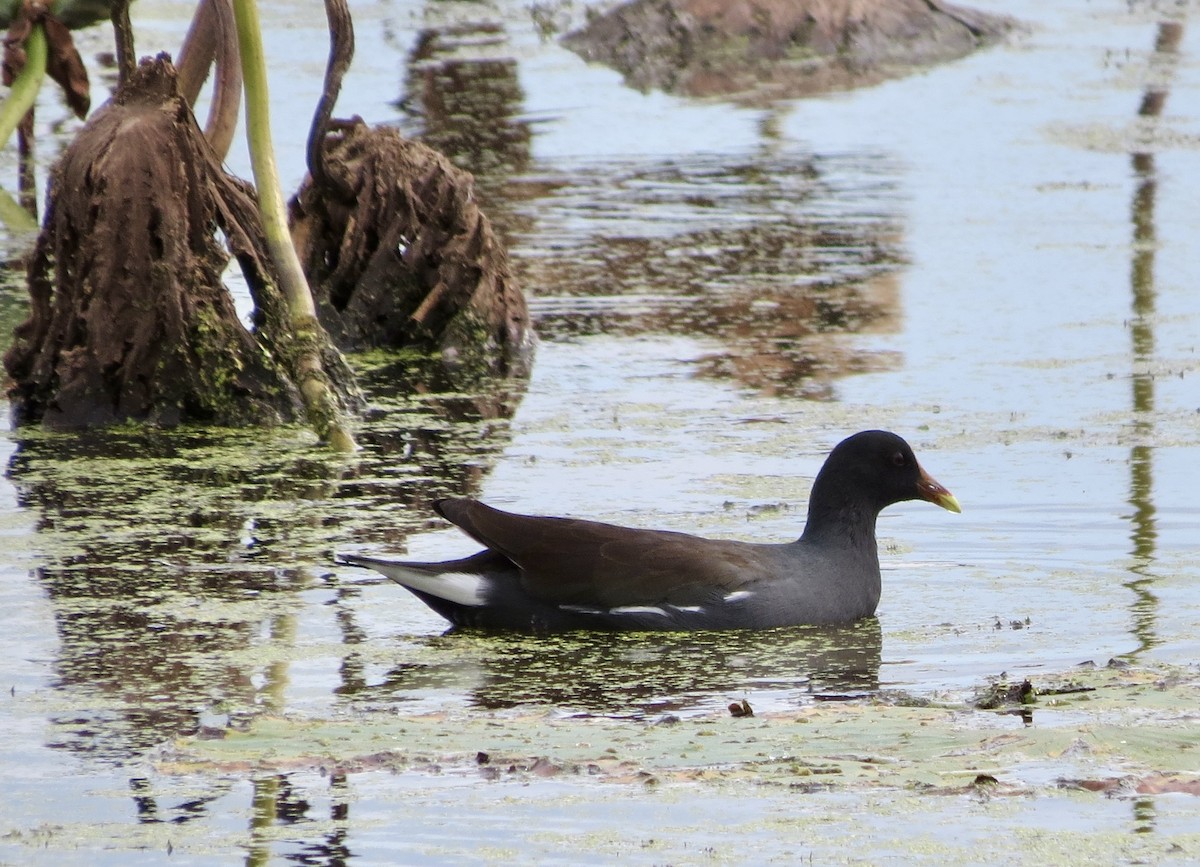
(150, 810)
(279, 813)
(643, 674)
(165, 554)
(1143, 527)
(1143, 522)
(462, 96)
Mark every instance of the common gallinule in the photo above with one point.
(540, 574)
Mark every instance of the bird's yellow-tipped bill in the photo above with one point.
(933, 491)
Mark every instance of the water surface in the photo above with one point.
(992, 258)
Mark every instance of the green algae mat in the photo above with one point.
(1067, 767)
(1107, 729)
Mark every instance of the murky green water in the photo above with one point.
(993, 258)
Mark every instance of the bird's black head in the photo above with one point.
(871, 470)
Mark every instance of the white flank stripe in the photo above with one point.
(638, 609)
(738, 595)
(581, 609)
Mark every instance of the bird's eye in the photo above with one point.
(898, 459)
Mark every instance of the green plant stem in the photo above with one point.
(324, 412)
(23, 93)
(17, 219)
(262, 161)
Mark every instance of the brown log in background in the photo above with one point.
(764, 50)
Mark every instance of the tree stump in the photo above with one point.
(130, 319)
(404, 257)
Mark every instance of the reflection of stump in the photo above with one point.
(130, 319)
(410, 260)
(466, 99)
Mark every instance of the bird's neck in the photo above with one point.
(840, 522)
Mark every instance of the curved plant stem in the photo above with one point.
(324, 410)
(123, 34)
(212, 39)
(341, 53)
(23, 93)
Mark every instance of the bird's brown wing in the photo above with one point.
(576, 562)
